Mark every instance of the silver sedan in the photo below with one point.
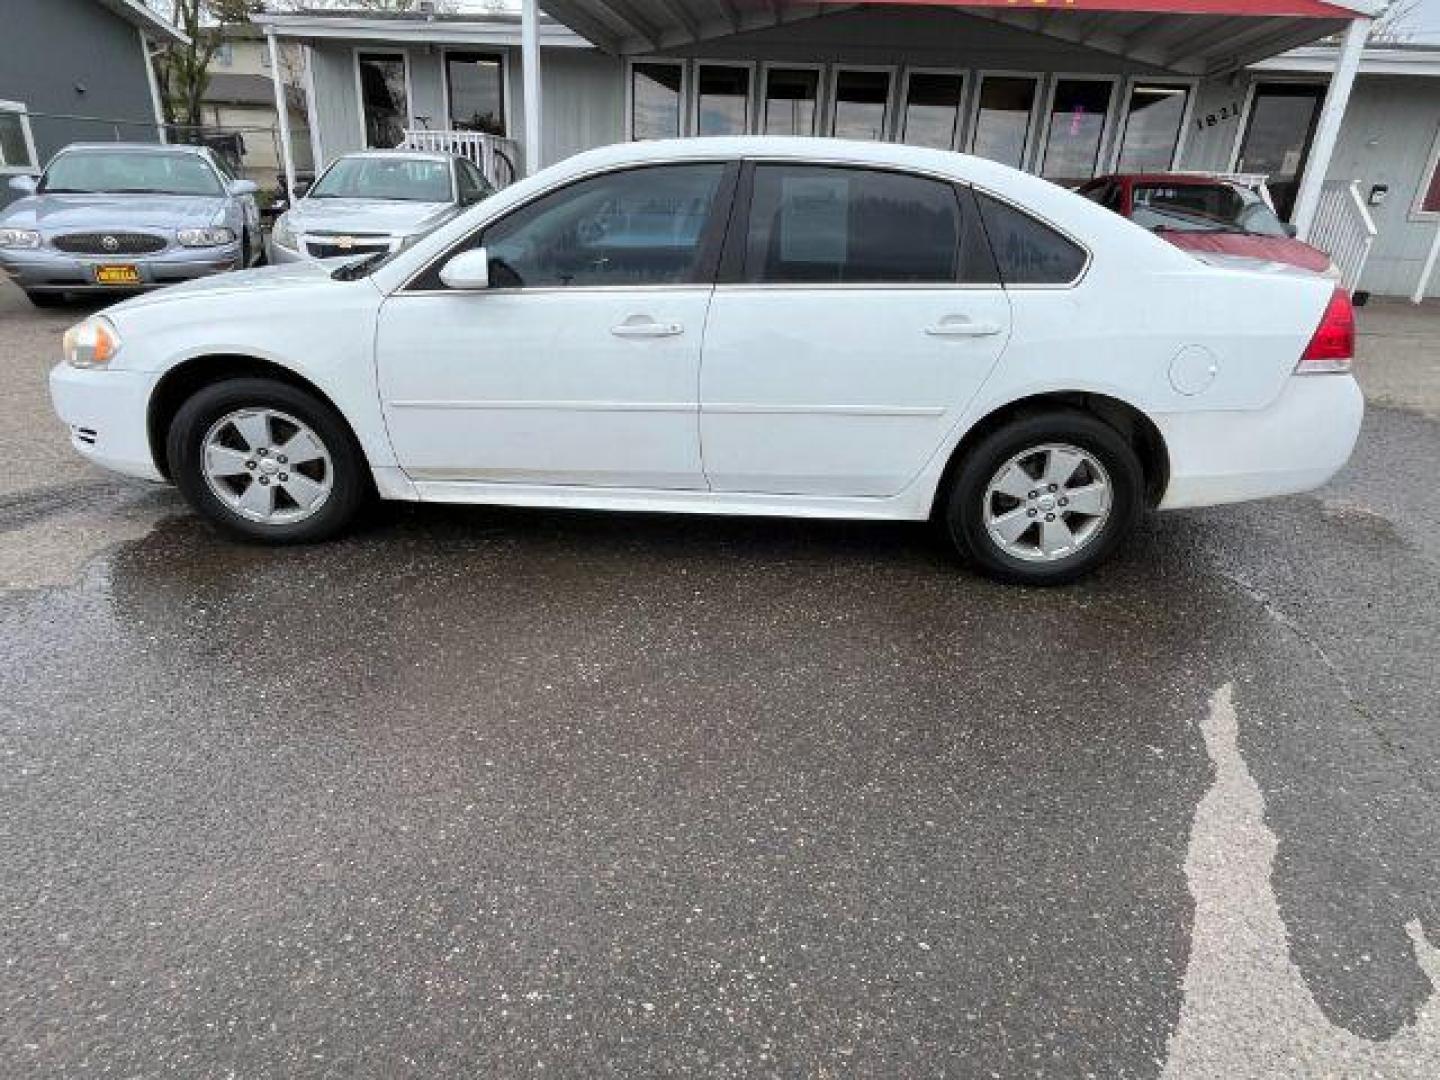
(125, 217)
(376, 201)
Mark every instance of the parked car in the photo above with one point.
(1209, 216)
(802, 327)
(117, 217)
(379, 200)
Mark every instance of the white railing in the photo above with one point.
(1345, 231)
(497, 156)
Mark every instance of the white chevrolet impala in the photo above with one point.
(742, 326)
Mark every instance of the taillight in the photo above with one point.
(1333, 346)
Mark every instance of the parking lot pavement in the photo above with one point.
(511, 793)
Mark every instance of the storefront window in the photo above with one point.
(1076, 125)
(1153, 116)
(862, 104)
(477, 92)
(1002, 119)
(932, 109)
(790, 100)
(655, 101)
(723, 100)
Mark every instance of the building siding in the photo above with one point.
(74, 58)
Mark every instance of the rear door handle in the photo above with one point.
(958, 326)
(642, 326)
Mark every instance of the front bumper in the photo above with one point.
(106, 414)
(47, 270)
(1296, 444)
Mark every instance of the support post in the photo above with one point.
(155, 103)
(1327, 129)
(282, 107)
(1423, 285)
(530, 61)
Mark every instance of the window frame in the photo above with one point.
(1107, 129)
(33, 169)
(821, 105)
(752, 108)
(731, 268)
(1032, 133)
(962, 106)
(446, 100)
(832, 92)
(1418, 212)
(404, 55)
(1191, 85)
(712, 238)
(682, 107)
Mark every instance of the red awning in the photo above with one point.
(1301, 9)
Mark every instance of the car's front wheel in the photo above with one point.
(1045, 499)
(267, 461)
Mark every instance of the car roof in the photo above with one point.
(158, 148)
(403, 155)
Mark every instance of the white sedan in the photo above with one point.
(798, 327)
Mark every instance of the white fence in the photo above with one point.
(497, 156)
(1345, 231)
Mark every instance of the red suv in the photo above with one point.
(1207, 215)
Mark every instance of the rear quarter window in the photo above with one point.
(1027, 251)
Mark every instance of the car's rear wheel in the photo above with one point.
(1045, 499)
(267, 461)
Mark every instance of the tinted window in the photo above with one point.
(817, 224)
(639, 227)
(1028, 252)
(472, 183)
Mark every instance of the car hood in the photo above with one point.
(1277, 249)
(392, 216)
(261, 279)
(78, 213)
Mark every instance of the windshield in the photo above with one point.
(130, 172)
(1204, 208)
(396, 179)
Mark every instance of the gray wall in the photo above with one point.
(74, 57)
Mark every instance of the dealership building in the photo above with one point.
(1286, 89)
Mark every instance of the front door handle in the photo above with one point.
(644, 326)
(959, 326)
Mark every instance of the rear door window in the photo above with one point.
(811, 224)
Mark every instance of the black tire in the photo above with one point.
(349, 476)
(45, 299)
(965, 501)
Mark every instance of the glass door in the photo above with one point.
(1277, 137)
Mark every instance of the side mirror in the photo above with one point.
(469, 270)
(25, 184)
(243, 187)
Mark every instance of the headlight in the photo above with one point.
(205, 237)
(19, 238)
(282, 235)
(92, 343)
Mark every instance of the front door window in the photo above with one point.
(384, 100)
(1277, 140)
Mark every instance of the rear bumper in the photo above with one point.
(105, 412)
(1296, 444)
(44, 270)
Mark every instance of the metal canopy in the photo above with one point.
(1193, 37)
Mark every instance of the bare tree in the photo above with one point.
(183, 71)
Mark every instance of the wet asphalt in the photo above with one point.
(509, 793)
